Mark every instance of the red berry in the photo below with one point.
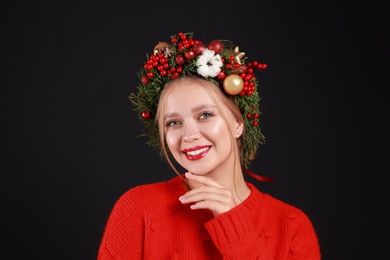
(221, 75)
(144, 80)
(145, 115)
(244, 68)
(189, 54)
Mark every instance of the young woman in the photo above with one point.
(207, 124)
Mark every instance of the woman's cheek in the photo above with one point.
(172, 141)
(219, 128)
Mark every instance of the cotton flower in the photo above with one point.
(209, 65)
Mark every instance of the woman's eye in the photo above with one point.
(172, 123)
(205, 115)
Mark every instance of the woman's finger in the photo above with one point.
(207, 193)
(216, 199)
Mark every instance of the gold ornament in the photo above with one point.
(160, 48)
(233, 84)
(238, 55)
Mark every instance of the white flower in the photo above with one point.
(209, 65)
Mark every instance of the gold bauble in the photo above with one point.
(233, 84)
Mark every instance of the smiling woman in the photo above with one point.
(199, 122)
(199, 105)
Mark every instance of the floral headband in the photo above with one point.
(220, 62)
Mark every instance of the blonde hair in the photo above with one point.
(219, 98)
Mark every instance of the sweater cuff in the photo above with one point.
(234, 226)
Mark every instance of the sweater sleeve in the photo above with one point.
(234, 236)
(276, 231)
(304, 242)
(123, 236)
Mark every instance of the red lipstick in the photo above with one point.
(196, 153)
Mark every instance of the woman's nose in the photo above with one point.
(191, 132)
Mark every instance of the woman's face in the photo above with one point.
(196, 133)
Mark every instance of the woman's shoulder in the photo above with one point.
(286, 211)
(277, 207)
(282, 205)
(145, 191)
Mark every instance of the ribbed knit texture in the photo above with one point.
(149, 222)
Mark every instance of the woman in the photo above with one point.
(210, 211)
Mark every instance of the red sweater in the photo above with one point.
(149, 222)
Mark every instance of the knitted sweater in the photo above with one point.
(149, 222)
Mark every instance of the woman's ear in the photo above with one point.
(239, 128)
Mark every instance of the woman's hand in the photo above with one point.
(209, 195)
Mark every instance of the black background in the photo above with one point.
(69, 134)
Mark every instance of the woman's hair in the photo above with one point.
(219, 98)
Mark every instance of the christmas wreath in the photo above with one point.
(218, 61)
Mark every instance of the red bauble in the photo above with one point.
(216, 46)
(189, 54)
(198, 48)
(145, 115)
(180, 59)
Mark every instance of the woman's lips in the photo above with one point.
(196, 153)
